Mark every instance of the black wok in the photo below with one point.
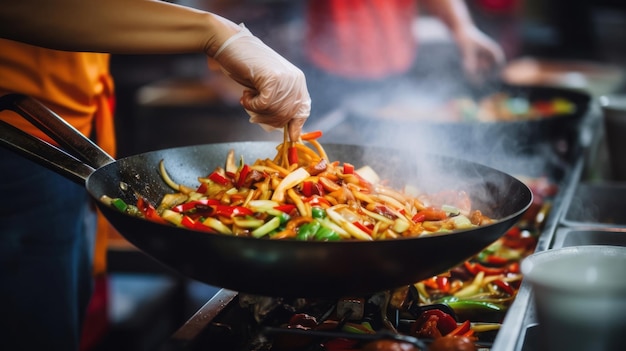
(485, 142)
(268, 267)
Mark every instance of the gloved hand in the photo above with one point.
(482, 57)
(276, 93)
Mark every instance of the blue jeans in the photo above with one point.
(45, 263)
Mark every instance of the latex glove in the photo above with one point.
(482, 57)
(276, 93)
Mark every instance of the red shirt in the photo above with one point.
(361, 38)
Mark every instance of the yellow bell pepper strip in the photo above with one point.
(248, 222)
(291, 180)
(266, 228)
(217, 225)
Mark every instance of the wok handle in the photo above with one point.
(68, 137)
(44, 153)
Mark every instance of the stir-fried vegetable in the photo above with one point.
(300, 194)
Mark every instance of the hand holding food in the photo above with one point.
(276, 93)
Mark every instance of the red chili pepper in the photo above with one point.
(363, 227)
(191, 205)
(317, 200)
(348, 168)
(189, 223)
(495, 259)
(461, 329)
(245, 169)
(292, 155)
(218, 178)
(307, 188)
(232, 211)
(340, 344)
(445, 322)
(430, 214)
(202, 188)
(441, 283)
(385, 211)
(505, 286)
(513, 267)
(149, 211)
(311, 135)
(287, 208)
(475, 267)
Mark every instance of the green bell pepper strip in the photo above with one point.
(266, 228)
(326, 234)
(307, 231)
(459, 305)
(119, 204)
(318, 212)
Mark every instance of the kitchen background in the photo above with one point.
(166, 101)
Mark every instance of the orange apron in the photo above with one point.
(77, 86)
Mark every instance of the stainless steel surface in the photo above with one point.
(191, 330)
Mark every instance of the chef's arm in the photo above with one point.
(453, 13)
(276, 94)
(114, 26)
(480, 54)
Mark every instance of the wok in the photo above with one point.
(485, 142)
(274, 267)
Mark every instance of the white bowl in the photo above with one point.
(580, 296)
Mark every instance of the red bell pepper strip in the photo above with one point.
(292, 155)
(191, 205)
(429, 214)
(311, 135)
(317, 200)
(231, 211)
(363, 227)
(245, 169)
(475, 267)
(189, 223)
(505, 286)
(202, 188)
(461, 329)
(495, 260)
(287, 208)
(307, 188)
(149, 211)
(445, 322)
(218, 178)
(348, 168)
